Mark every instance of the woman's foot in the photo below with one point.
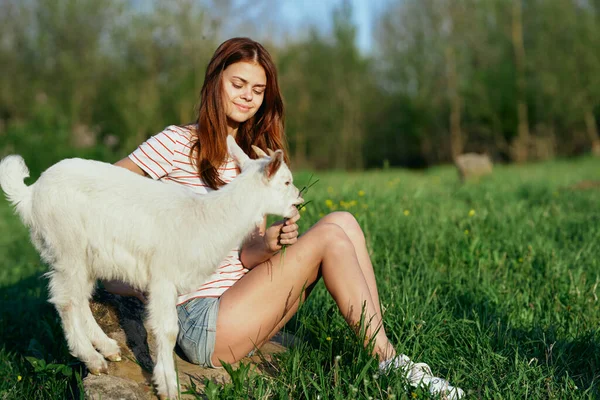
(420, 375)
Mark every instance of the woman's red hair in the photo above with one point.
(264, 129)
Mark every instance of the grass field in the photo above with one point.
(493, 284)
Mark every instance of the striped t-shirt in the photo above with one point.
(165, 156)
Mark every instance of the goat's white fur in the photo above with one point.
(91, 220)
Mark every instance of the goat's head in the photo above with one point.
(276, 181)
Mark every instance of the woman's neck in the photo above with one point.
(232, 127)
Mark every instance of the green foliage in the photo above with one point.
(415, 38)
(119, 73)
(324, 82)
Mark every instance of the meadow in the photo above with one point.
(492, 283)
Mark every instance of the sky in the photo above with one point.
(295, 16)
(299, 13)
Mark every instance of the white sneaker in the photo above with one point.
(400, 361)
(420, 375)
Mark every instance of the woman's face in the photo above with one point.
(244, 85)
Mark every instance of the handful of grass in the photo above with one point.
(304, 190)
(303, 204)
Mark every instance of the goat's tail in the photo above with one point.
(13, 172)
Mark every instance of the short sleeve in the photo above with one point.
(155, 155)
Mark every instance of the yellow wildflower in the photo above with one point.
(361, 193)
(466, 231)
(393, 182)
(471, 213)
(406, 212)
(329, 203)
(347, 204)
(19, 378)
(328, 338)
(520, 259)
(321, 215)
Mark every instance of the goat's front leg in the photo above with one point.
(163, 323)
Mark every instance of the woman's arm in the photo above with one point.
(130, 165)
(255, 249)
(264, 243)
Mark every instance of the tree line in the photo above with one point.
(517, 79)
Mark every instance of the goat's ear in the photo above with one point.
(259, 151)
(236, 152)
(274, 165)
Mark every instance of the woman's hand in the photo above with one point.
(261, 245)
(123, 289)
(282, 233)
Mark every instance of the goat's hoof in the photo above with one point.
(98, 367)
(167, 397)
(99, 371)
(114, 357)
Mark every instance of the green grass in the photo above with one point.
(501, 300)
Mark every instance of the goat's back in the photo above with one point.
(120, 222)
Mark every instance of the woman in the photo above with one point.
(240, 97)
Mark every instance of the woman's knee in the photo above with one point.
(347, 222)
(332, 237)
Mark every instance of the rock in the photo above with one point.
(107, 387)
(595, 147)
(585, 185)
(122, 318)
(473, 166)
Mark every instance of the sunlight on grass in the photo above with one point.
(493, 284)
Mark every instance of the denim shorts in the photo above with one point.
(198, 329)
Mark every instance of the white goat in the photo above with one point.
(91, 220)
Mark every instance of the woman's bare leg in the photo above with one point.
(289, 314)
(348, 223)
(351, 227)
(269, 294)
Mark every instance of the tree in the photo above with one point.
(521, 143)
(323, 81)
